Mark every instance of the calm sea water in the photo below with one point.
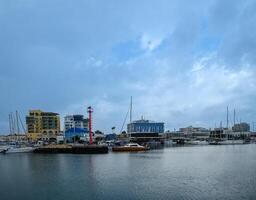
(201, 172)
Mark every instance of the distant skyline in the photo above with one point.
(183, 62)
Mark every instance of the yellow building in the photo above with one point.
(42, 125)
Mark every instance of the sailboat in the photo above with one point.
(16, 146)
(226, 136)
(130, 147)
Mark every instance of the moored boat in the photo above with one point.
(18, 150)
(3, 148)
(133, 147)
(197, 142)
(221, 136)
(226, 142)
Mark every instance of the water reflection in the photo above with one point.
(206, 172)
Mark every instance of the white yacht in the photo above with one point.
(197, 142)
(130, 147)
(15, 149)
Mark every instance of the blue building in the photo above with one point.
(145, 127)
(70, 133)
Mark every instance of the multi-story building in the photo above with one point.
(194, 131)
(241, 127)
(42, 124)
(143, 131)
(145, 126)
(75, 121)
(75, 126)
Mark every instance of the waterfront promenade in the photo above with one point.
(187, 172)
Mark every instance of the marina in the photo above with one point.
(127, 100)
(43, 134)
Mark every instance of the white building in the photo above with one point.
(75, 121)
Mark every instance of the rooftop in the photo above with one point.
(145, 121)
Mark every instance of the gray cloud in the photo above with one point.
(182, 62)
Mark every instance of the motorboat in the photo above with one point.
(12, 149)
(133, 147)
(3, 148)
(197, 142)
(226, 142)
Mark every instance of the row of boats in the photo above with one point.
(132, 146)
(6, 149)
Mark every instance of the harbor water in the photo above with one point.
(192, 172)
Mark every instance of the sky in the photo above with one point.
(183, 62)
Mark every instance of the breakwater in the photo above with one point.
(75, 149)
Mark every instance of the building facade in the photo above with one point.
(145, 126)
(75, 121)
(75, 134)
(191, 131)
(241, 127)
(42, 124)
(75, 126)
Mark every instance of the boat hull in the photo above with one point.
(129, 149)
(19, 150)
(196, 142)
(227, 142)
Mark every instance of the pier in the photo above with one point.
(73, 149)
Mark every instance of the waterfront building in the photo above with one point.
(41, 124)
(75, 121)
(228, 134)
(241, 127)
(194, 132)
(75, 126)
(145, 126)
(60, 139)
(75, 134)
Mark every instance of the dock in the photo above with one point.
(73, 149)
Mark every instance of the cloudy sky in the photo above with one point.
(182, 61)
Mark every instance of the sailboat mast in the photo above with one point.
(13, 124)
(17, 122)
(234, 117)
(22, 124)
(227, 117)
(131, 111)
(10, 124)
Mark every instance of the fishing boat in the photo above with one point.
(132, 147)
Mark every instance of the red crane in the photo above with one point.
(90, 110)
